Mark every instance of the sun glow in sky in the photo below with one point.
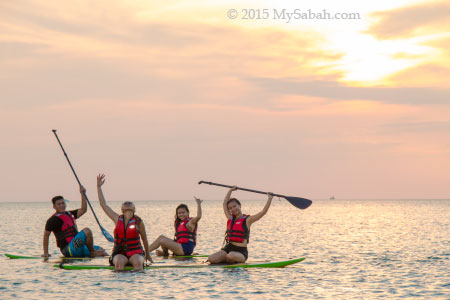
(160, 95)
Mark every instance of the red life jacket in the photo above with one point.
(69, 228)
(237, 230)
(127, 240)
(182, 233)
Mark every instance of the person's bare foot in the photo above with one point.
(100, 252)
(162, 253)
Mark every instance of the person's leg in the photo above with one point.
(156, 244)
(99, 251)
(171, 245)
(137, 261)
(218, 257)
(119, 261)
(166, 244)
(235, 257)
(89, 241)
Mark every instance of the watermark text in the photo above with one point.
(289, 15)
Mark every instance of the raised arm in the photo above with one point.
(259, 215)
(225, 200)
(191, 224)
(101, 198)
(143, 233)
(81, 211)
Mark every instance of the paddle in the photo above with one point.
(105, 233)
(301, 203)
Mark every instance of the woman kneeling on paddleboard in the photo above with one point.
(238, 230)
(129, 231)
(185, 233)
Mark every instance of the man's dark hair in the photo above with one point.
(56, 198)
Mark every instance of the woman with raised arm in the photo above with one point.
(238, 230)
(129, 231)
(185, 233)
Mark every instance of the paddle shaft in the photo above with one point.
(78, 180)
(239, 188)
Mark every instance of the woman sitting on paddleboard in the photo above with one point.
(238, 230)
(129, 231)
(185, 233)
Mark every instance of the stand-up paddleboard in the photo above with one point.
(14, 256)
(277, 264)
(183, 256)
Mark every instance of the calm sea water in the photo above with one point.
(382, 249)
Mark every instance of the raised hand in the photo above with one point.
(198, 200)
(82, 189)
(100, 179)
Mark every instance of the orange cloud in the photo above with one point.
(426, 75)
(417, 20)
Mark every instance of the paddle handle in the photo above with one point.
(76, 177)
(239, 188)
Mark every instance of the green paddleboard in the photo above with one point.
(277, 264)
(184, 256)
(14, 256)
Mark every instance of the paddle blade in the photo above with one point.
(301, 203)
(107, 235)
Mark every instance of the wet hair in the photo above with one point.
(177, 220)
(56, 198)
(234, 200)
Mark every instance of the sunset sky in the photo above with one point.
(161, 94)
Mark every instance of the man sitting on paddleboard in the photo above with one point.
(62, 223)
(238, 230)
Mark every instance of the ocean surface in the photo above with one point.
(354, 249)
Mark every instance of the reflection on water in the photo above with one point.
(354, 250)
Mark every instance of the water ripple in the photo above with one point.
(355, 250)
